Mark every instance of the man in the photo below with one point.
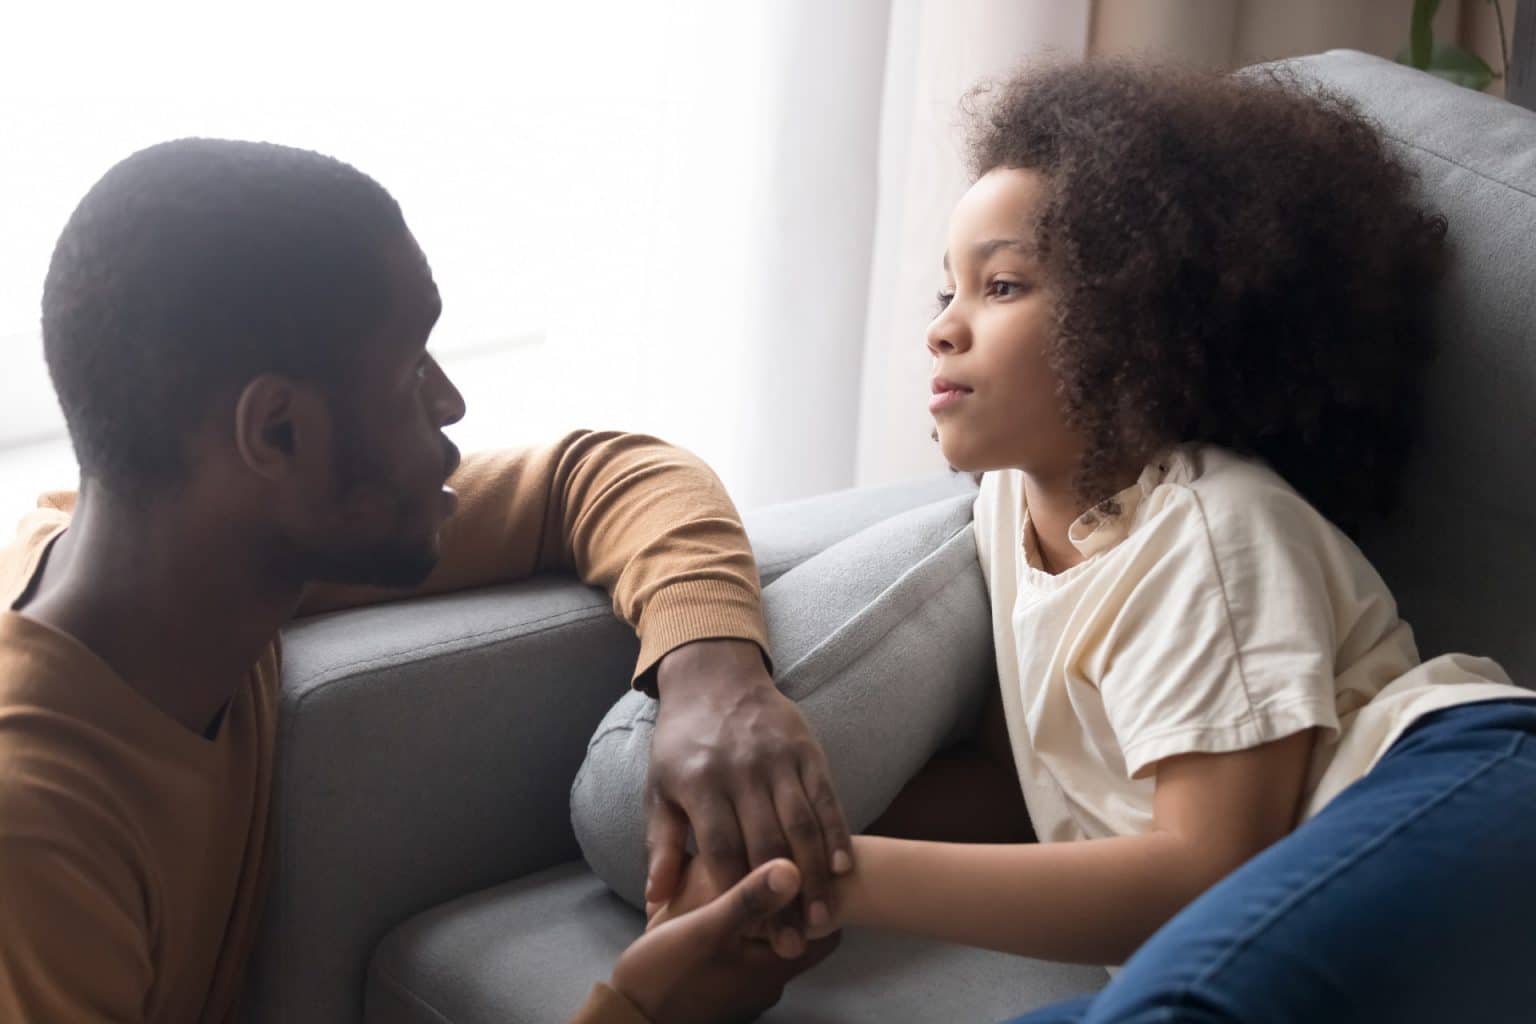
(237, 334)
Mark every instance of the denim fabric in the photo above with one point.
(1411, 897)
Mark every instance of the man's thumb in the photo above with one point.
(753, 900)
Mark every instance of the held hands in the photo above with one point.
(733, 759)
(702, 963)
(697, 889)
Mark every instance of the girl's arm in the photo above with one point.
(1093, 901)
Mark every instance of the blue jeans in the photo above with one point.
(1411, 897)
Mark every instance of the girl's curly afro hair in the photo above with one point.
(1235, 259)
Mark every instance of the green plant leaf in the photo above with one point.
(1460, 66)
(1421, 33)
(1454, 64)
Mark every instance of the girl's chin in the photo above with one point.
(963, 457)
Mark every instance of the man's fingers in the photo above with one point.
(765, 842)
(765, 963)
(806, 844)
(760, 827)
(666, 843)
(817, 779)
(718, 834)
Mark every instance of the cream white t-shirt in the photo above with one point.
(1217, 611)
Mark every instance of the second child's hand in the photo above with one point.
(707, 964)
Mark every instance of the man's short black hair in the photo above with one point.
(190, 268)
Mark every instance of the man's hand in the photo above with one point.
(733, 758)
(704, 966)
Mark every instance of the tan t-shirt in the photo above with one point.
(1216, 612)
(134, 853)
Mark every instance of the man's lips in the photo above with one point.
(450, 496)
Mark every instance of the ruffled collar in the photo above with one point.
(1098, 530)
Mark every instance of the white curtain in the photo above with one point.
(938, 50)
(653, 216)
(737, 316)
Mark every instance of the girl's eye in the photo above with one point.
(1005, 289)
(944, 299)
(421, 367)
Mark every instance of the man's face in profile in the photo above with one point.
(377, 518)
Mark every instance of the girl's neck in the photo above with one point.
(1053, 508)
(1054, 505)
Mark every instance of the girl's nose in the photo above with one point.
(947, 334)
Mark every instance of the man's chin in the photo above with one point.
(394, 567)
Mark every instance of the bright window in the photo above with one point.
(546, 158)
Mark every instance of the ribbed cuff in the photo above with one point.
(605, 1006)
(696, 610)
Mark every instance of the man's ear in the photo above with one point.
(274, 416)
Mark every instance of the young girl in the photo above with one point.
(1181, 330)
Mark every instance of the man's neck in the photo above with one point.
(175, 603)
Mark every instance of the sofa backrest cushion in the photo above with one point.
(1460, 551)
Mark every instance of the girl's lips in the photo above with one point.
(942, 400)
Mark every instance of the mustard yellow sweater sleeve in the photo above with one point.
(647, 522)
(605, 1006)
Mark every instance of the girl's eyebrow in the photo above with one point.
(981, 250)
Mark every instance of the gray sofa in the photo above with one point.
(427, 870)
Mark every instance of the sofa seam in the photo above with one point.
(473, 641)
(581, 772)
(400, 988)
(1456, 163)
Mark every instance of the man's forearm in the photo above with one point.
(1093, 901)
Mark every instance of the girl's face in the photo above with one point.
(995, 400)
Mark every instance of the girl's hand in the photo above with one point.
(697, 888)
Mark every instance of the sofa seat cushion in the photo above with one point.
(528, 952)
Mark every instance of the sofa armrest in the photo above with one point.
(426, 750)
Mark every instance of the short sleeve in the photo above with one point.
(1223, 637)
(73, 945)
